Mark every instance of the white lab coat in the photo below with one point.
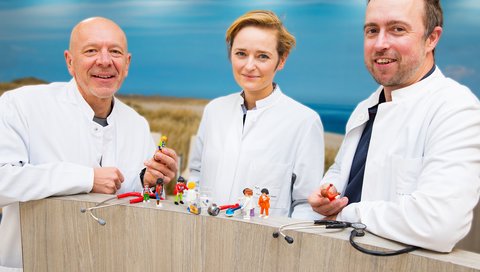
(422, 174)
(49, 146)
(280, 137)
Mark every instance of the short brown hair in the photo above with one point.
(433, 16)
(263, 19)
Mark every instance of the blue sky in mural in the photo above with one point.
(178, 46)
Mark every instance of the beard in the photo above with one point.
(400, 78)
(405, 71)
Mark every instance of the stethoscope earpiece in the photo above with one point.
(289, 239)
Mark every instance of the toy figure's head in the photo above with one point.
(181, 179)
(160, 181)
(164, 138)
(264, 191)
(247, 192)
(191, 185)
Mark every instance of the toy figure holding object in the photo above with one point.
(264, 202)
(159, 191)
(330, 192)
(179, 188)
(247, 203)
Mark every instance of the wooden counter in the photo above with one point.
(56, 236)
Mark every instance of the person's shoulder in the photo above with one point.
(299, 109)
(35, 93)
(452, 90)
(128, 112)
(223, 101)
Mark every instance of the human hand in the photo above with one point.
(164, 165)
(322, 204)
(106, 180)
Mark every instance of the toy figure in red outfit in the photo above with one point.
(330, 192)
(264, 203)
(179, 188)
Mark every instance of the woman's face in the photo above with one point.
(255, 60)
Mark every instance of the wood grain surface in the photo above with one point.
(56, 236)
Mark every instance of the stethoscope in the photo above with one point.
(358, 230)
(138, 198)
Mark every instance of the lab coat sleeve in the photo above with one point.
(439, 212)
(195, 164)
(21, 181)
(309, 166)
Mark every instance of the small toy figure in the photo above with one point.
(179, 188)
(191, 195)
(146, 194)
(264, 202)
(163, 142)
(247, 203)
(159, 191)
(330, 192)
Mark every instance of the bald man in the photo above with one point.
(75, 137)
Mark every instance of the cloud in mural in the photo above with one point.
(458, 72)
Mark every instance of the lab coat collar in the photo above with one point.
(360, 115)
(75, 97)
(268, 101)
(271, 99)
(398, 96)
(417, 88)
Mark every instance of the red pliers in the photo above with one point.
(139, 196)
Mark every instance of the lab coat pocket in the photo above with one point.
(405, 173)
(276, 177)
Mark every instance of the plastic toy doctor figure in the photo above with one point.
(414, 136)
(246, 202)
(241, 139)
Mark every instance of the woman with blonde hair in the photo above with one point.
(259, 137)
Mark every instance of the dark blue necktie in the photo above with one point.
(355, 180)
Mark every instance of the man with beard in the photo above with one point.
(409, 166)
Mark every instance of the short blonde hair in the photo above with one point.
(263, 19)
